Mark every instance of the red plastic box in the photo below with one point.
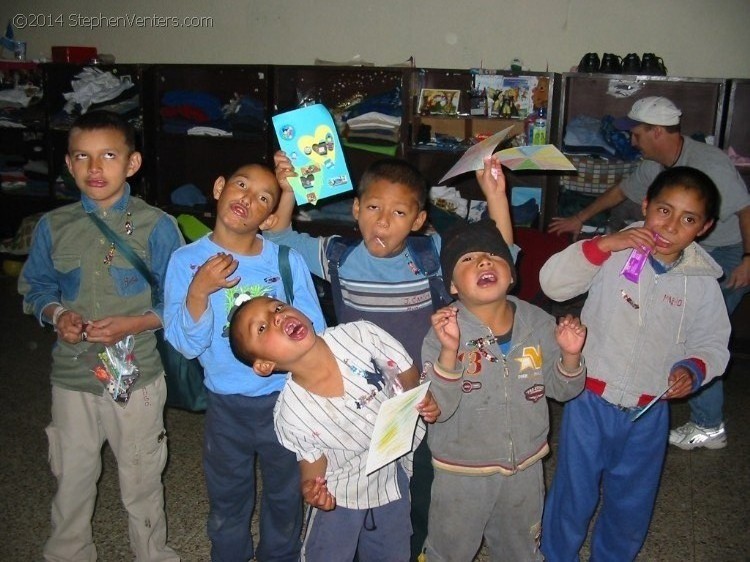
(77, 55)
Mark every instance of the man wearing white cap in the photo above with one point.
(654, 125)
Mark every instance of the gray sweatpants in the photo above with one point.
(505, 510)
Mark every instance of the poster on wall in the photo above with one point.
(309, 138)
(509, 97)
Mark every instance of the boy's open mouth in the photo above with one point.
(239, 210)
(487, 278)
(295, 329)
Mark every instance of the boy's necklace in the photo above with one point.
(110, 255)
(482, 344)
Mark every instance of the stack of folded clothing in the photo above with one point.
(588, 135)
(201, 113)
(97, 89)
(246, 116)
(19, 175)
(183, 110)
(375, 121)
(20, 107)
(374, 128)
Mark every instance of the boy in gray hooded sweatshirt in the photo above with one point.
(493, 359)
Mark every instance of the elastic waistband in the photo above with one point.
(598, 386)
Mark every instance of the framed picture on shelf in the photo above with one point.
(438, 102)
(508, 97)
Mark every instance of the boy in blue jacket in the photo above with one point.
(206, 281)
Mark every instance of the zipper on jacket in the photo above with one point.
(506, 376)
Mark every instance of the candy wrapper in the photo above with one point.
(116, 369)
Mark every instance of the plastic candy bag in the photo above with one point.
(116, 369)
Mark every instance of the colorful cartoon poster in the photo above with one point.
(509, 97)
(309, 138)
(393, 435)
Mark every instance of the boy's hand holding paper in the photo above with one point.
(534, 157)
(308, 136)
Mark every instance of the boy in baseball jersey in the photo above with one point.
(326, 414)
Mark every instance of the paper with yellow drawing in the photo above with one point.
(393, 435)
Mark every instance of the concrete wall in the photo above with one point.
(697, 38)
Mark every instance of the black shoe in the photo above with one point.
(611, 64)
(631, 64)
(589, 63)
(653, 65)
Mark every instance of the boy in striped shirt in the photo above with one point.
(326, 415)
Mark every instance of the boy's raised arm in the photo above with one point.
(492, 181)
(283, 169)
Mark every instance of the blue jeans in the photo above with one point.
(237, 430)
(377, 534)
(706, 407)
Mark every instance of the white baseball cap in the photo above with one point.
(653, 110)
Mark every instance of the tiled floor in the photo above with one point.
(702, 512)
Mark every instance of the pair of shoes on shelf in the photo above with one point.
(648, 64)
(609, 63)
(631, 64)
(692, 436)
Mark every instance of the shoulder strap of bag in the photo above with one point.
(286, 273)
(338, 249)
(424, 254)
(426, 258)
(129, 254)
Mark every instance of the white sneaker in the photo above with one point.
(691, 436)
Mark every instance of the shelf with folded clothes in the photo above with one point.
(598, 96)
(21, 96)
(217, 101)
(204, 121)
(602, 154)
(23, 148)
(366, 104)
(74, 89)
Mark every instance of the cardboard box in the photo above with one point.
(76, 55)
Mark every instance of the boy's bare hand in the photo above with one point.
(570, 335)
(110, 330)
(283, 169)
(315, 493)
(445, 323)
(683, 381)
(70, 326)
(491, 178)
(214, 275)
(428, 408)
(637, 238)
